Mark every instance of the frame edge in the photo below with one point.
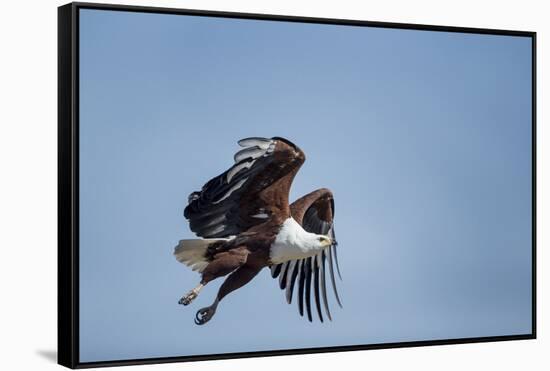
(67, 341)
(299, 19)
(534, 181)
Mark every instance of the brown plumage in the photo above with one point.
(247, 224)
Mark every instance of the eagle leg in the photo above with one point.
(191, 295)
(234, 281)
(224, 263)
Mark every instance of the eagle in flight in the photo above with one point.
(246, 223)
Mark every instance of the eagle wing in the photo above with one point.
(251, 192)
(315, 212)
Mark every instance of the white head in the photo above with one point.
(322, 241)
(314, 242)
(293, 242)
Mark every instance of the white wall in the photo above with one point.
(28, 145)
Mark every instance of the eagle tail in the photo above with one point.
(193, 252)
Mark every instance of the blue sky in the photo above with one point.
(424, 138)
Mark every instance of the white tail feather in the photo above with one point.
(192, 252)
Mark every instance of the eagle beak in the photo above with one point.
(328, 242)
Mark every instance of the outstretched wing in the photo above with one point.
(315, 212)
(252, 191)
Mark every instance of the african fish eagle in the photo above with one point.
(246, 224)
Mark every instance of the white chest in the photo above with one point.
(293, 242)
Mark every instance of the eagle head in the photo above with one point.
(323, 241)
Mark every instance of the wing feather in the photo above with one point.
(282, 277)
(275, 270)
(290, 279)
(232, 202)
(332, 279)
(308, 288)
(301, 285)
(316, 291)
(321, 261)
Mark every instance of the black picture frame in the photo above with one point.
(68, 183)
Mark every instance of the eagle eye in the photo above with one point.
(321, 239)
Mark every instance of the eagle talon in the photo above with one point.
(204, 315)
(191, 295)
(187, 299)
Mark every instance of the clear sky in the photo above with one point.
(424, 138)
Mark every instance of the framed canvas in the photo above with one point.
(187, 208)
